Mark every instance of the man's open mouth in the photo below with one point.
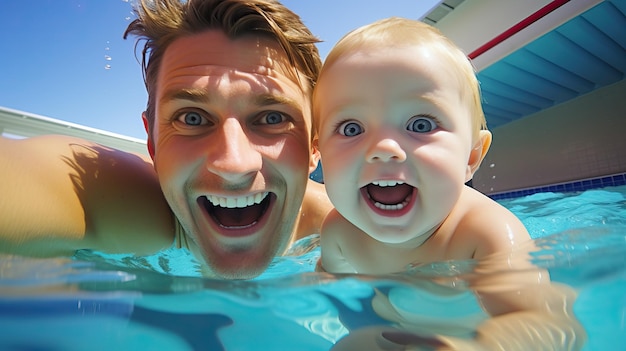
(388, 195)
(236, 212)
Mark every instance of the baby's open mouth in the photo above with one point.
(236, 212)
(389, 195)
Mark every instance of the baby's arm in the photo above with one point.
(552, 328)
(529, 311)
(333, 259)
(498, 241)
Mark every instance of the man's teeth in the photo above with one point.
(383, 183)
(237, 202)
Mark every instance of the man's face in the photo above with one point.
(232, 147)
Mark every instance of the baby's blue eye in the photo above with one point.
(193, 118)
(421, 124)
(350, 129)
(274, 117)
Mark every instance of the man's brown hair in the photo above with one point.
(160, 22)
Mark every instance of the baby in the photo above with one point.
(401, 130)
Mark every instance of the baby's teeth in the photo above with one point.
(390, 207)
(383, 183)
(237, 202)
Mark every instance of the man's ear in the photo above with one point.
(315, 156)
(478, 153)
(149, 141)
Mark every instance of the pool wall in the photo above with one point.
(578, 185)
(580, 143)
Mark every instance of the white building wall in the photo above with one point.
(19, 124)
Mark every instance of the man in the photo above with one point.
(229, 132)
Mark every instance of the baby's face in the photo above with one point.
(395, 138)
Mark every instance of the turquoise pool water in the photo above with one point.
(115, 302)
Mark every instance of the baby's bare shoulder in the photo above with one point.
(336, 229)
(486, 225)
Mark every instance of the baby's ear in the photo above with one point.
(478, 153)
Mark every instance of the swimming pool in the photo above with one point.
(103, 302)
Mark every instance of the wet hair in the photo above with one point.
(161, 22)
(396, 31)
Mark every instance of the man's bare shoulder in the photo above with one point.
(315, 207)
(64, 193)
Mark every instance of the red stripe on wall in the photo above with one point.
(542, 12)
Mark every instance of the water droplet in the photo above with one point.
(107, 57)
(492, 165)
(107, 67)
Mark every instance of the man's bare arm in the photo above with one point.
(61, 193)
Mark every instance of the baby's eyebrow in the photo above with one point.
(342, 107)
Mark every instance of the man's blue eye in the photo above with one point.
(193, 118)
(421, 124)
(350, 129)
(274, 118)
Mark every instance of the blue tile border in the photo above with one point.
(579, 185)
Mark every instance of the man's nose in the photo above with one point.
(233, 155)
(385, 150)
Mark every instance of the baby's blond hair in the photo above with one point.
(396, 31)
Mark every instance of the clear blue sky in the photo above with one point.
(66, 59)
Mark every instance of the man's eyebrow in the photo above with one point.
(270, 99)
(195, 95)
(202, 96)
